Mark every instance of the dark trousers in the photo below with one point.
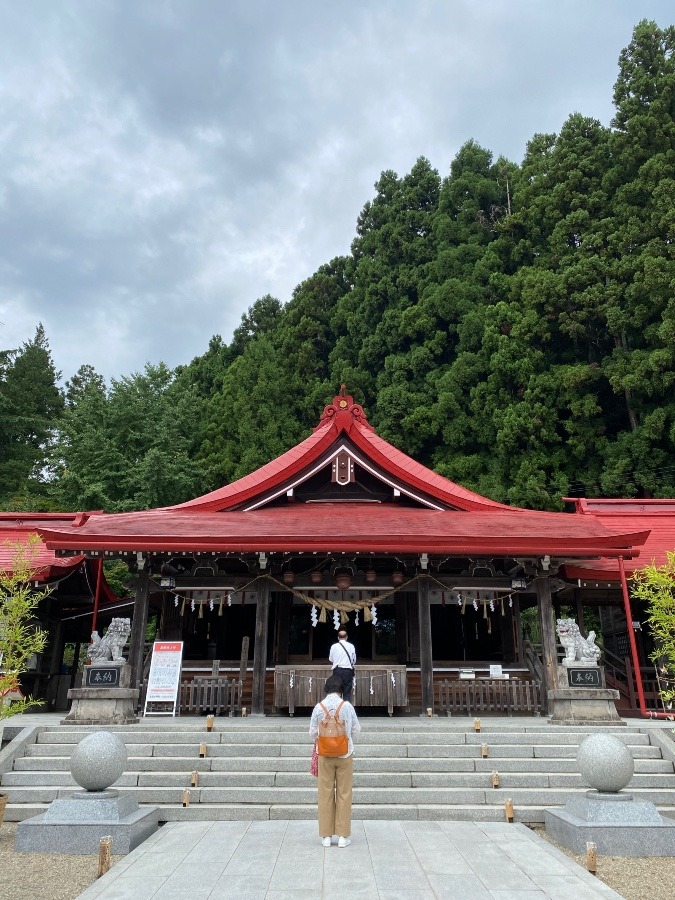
(347, 676)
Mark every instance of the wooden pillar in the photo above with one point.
(282, 629)
(426, 660)
(138, 626)
(580, 610)
(262, 615)
(549, 643)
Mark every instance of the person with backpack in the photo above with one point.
(342, 657)
(332, 725)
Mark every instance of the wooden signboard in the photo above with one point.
(164, 678)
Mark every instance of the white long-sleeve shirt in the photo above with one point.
(347, 715)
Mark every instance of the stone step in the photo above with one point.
(446, 739)
(361, 779)
(365, 795)
(529, 814)
(370, 764)
(363, 751)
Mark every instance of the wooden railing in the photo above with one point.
(204, 694)
(302, 686)
(488, 695)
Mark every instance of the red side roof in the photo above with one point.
(47, 565)
(655, 516)
(342, 417)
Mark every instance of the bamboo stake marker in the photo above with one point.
(186, 797)
(104, 852)
(495, 779)
(209, 723)
(194, 778)
(476, 725)
(484, 751)
(202, 749)
(592, 858)
(508, 810)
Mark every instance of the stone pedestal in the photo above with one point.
(616, 823)
(579, 705)
(76, 824)
(112, 703)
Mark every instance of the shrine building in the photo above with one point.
(429, 578)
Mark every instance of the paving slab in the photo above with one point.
(277, 859)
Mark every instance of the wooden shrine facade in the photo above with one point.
(342, 528)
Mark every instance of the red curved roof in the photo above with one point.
(348, 527)
(342, 417)
(463, 523)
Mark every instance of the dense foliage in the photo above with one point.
(655, 586)
(512, 326)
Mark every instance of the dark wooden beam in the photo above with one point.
(549, 641)
(138, 626)
(262, 615)
(426, 660)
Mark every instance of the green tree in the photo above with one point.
(655, 587)
(133, 446)
(20, 638)
(30, 407)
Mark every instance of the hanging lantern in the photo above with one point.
(343, 581)
(289, 576)
(371, 576)
(316, 577)
(397, 577)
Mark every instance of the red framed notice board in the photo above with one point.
(164, 678)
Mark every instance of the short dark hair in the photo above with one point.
(334, 685)
(342, 633)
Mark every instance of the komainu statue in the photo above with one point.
(109, 648)
(579, 651)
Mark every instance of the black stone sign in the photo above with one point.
(584, 678)
(99, 676)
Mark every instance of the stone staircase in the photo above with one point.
(404, 769)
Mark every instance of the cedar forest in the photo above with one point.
(511, 326)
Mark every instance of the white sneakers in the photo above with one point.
(342, 842)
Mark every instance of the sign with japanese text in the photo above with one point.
(584, 678)
(99, 676)
(164, 677)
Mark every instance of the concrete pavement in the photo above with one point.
(400, 860)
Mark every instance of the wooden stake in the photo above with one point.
(592, 858)
(194, 778)
(476, 725)
(508, 809)
(495, 779)
(484, 751)
(104, 852)
(186, 797)
(209, 723)
(202, 749)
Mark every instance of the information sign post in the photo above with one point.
(164, 677)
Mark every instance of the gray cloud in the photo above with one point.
(166, 163)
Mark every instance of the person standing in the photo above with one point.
(342, 657)
(335, 772)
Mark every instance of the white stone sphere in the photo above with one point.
(605, 762)
(98, 760)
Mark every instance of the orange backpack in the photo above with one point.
(332, 738)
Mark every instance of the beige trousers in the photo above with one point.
(335, 795)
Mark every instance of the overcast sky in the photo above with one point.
(166, 163)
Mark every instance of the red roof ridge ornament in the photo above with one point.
(343, 413)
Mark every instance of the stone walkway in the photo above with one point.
(284, 860)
